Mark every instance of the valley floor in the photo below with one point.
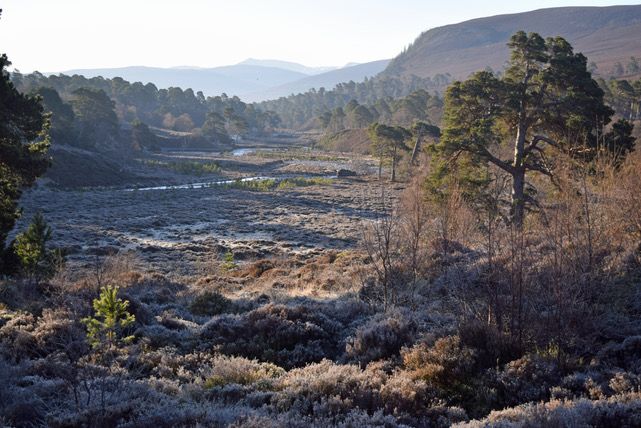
(260, 303)
(178, 223)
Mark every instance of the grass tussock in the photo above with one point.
(270, 184)
(196, 168)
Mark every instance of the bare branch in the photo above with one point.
(539, 168)
(505, 166)
(536, 140)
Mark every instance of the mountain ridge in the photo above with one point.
(250, 82)
(233, 79)
(287, 65)
(606, 35)
(327, 80)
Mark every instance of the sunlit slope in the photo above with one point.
(606, 35)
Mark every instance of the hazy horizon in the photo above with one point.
(212, 33)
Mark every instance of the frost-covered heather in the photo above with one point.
(549, 338)
(620, 410)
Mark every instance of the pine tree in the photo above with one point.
(23, 148)
(106, 329)
(547, 100)
(37, 261)
(388, 142)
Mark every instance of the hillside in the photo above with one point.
(606, 35)
(327, 80)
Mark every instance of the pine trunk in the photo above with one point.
(518, 196)
(417, 148)
(518, 175)
(394, 160)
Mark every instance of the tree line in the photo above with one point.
(303, 110)
(86, 112)
(624, 96)
(420, 105)
(631, 68)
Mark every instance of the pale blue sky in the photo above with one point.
(54, 35)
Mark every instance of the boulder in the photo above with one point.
(345, 173)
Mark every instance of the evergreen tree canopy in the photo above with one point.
(96, 120)
(142, 137)
(214, 128)
(388, 142)
(421, 130)
(23, 147)
(106, 328)
(37, 260)
(62, 116)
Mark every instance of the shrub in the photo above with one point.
(382, 336)
(141, 311)
(618, 411)
(262, 185)
(289, 183)
(187, 167)
(624, 355)
(349, 419)
(210, 303)
(453, 370)
(403, 394)
(267, 184)
(326, 393)
(337, 388)
(25, 336)
(158, 336)
(18, 405)
(290, 336)
(445, 364)
(493, 348)
(226, 370)
(622, 383)
(527, 379)
(258, 268)
(16, 337)
(57, 331)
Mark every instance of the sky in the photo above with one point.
(58, 35)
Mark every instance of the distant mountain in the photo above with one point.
(252, 80)
(328, 80)
(237, 79)
(606, 35)
(286, 65)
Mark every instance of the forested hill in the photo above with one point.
(608, 36)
